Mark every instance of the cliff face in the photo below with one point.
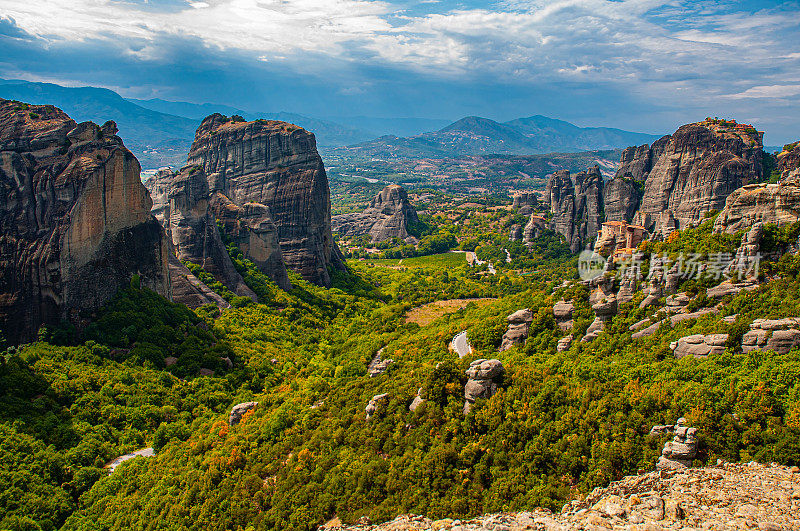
(253, 230)
(75, 222)
(576, 204)
(766, 203)
(181, 205)
(387, 217)
(700, 165)
(789, 159)
(277, 165)
(623, 193)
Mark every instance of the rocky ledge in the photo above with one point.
(387, 217)
(727, 496)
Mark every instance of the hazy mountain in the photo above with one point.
(524, 136)
(196, 111)
(327, 133)
(156, 138)
(391, 126)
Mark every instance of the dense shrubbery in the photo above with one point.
(561, 424)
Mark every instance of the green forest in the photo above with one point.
(561, 423)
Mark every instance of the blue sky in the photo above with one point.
(645, 65)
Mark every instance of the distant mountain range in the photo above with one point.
(160, 132)
(474, 135)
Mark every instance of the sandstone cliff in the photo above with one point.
(699, 166)
(181, 205)
(275, 164)
(75, 222)
(766, 203)
(387, 217)
(577, 205)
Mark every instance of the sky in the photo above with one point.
(642, 65)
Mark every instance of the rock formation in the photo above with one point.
(562, 311)
(564, 343)
(700, 165)
(699, 345)
(387, 217)
(534, 228)
(517, 333)
(378, 365)
(780, 335)
(75, 222)
(484, 376)
(604, 309)
(238, 411)
(746, 260)
(789, 159)
(181, 205)
(681, 451)
(515, 233)
(277, 165)
(577, 205)
(761, 203)
(251, 227)
(417, 402)
(376, 402)
(525, 202)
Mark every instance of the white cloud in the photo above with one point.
(768, 91)
(655, 45)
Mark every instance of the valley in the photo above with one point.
(299, 347)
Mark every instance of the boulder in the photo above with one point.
(417, 402)
(562, 311)
(238, 411)
(75, 221)
(564, 343)
(375, 403)
(604, 309)
(275, 164)
(517, 333)
(681, 451)
(387, 217)
(699, 345)
(484, 376)
(779, 335)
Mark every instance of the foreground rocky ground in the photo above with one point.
(727, 496)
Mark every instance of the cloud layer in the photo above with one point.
(644, 63)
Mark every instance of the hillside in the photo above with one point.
(474, 135)
(157, 139)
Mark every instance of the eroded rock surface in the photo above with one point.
(681, 450)
(761, 203)
(387, 217)
(277, 165)
(699, 345)
(484, 376)
(517, 333)
(375, 403)
(75, 221)
(700, 165)
(577, 205)
(181, 205)
(251, 227)
(780, 335)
